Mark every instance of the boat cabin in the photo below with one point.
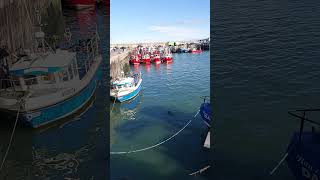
(123, 83)
(52, 70)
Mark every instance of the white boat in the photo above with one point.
(45, 86)
(126, 88)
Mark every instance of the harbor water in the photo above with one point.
(169, 98)
(266, 62)
(76, 148)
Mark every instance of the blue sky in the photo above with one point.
(158, 20)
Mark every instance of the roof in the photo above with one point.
(38, 64)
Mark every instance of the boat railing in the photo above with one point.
(205, 98)
(8, 85)
(302, 115)
(86, 55)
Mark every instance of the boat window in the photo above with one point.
(48, 78)
(30, 80)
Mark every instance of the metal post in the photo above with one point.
(301, 125)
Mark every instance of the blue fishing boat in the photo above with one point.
(205, 111)
(46, 85)
(303, 152)
(126, 88)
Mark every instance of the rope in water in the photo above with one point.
(200, 171)
(11, 138)
(115, 98)
(158, 144)
(279, 163)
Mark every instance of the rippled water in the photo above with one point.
(266, 61)
(72, 150)
(169, 98)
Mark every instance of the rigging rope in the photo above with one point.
(158, 144)
(200, 171)
(12, 134)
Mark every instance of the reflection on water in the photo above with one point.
(125, 111)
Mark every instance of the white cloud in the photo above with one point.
(179, 32)
(193, 21)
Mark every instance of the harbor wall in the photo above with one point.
(119, 61)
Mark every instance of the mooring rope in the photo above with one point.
(200, 171)
(115, 98)
(282, 159)
(158, 144)
(279, 163)
(12, 134)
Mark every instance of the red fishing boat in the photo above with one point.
(80, 4)
(167, 58)
(134, 60)
(146, 59)
(156, 59)
(196, 51)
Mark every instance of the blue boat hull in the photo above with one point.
(62, 109)
(205, 112)
(130, 95)
(304, 158)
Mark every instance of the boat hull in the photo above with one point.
(61, 110)
(196, 51)
(158, 61)
(80, 4)
(167, 61)
(128, 96)
(134, 62)
(205, 112)
(303, 159)
(146, 61)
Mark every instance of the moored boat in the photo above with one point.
(196, 51)
(146, 59)
(46, 85)
(80, 4)
(205, 111)
(303, 152)
(167, 58)
(134, 60)
(126, 88)
(156, 59)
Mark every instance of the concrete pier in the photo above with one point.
(119, 60)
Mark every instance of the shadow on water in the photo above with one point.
(187, 155)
